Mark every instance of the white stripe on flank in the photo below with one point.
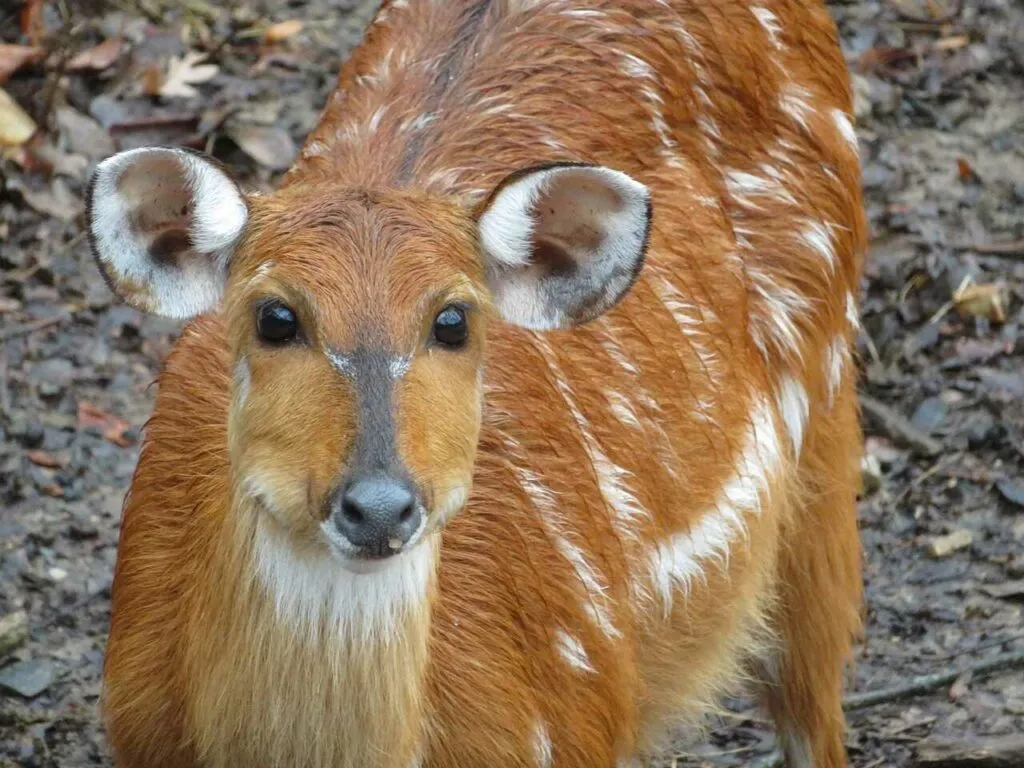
(794, 409)
(611, 478)
(795, 101)
(597, 605)
(771, 24)
(845, 127)
(818, 237)
(542, 750)
(835, 360)
(573, 652)
(852, 315)
(680, 558)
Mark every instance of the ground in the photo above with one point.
(941, 125)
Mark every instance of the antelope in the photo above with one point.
(518, 424)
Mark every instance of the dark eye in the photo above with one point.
(450, 327)
(276, 323)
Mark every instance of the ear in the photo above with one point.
(162, 225)
(562, 244)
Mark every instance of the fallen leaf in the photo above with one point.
(271, 147)
(14, 57)
(97, 58)
(185, 72)
(981, 300)
(32, 20)
(57, 201)
(52, 489)
(277, 33)
(966, 172)
(114, 428)
(83, 135)
(16, 127)
(44, 459)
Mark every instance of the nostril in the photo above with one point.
(351, 511)
(406, 514)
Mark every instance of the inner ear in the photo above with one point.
(163, 224)
(563, 244)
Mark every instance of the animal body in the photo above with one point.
(519, 423)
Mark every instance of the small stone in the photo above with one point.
(28, 679)
(1011, 491)
(870, 474)
(13, 631)
(58, 574)
(1014, 707)
(929, 414)
(944, 546)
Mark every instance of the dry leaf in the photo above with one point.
(277, 33)
(44, 459)
(185, 72)
(271, 147)
(943, 546)
(32, 20)
(14, 57)
(97, 58)
(57, 201)
(114, 428)
(16, 127)
(982, 300)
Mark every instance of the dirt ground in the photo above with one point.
(940, 89)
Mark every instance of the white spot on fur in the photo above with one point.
(573, 652)
(795, 101)
(771, 24)
(845, 127)
(852, 315)
(794, 408)
(745, 187)
(775, 321)
(243, 381)
(542, 750)
(313, 589)
(611, 345)
(399, 366)
(835, 361)
(622, 408)
(315, 149)
(343, 364)
(679, 559)
(818, 236)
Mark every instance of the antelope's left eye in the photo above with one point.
(450, 327)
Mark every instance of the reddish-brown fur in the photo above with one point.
(201, 671)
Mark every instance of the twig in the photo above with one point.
(36, 325)
(945, 18)
(927, 683)
(1011, 248)
(896, 426)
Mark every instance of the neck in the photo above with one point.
(335, 661)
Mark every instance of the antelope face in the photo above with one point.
(356, 321)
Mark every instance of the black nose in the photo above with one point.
(378, 514)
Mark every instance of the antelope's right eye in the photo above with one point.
(276, 323)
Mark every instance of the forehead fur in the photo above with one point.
(358, 252)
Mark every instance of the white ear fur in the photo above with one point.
(163, 223)
(563, 244)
